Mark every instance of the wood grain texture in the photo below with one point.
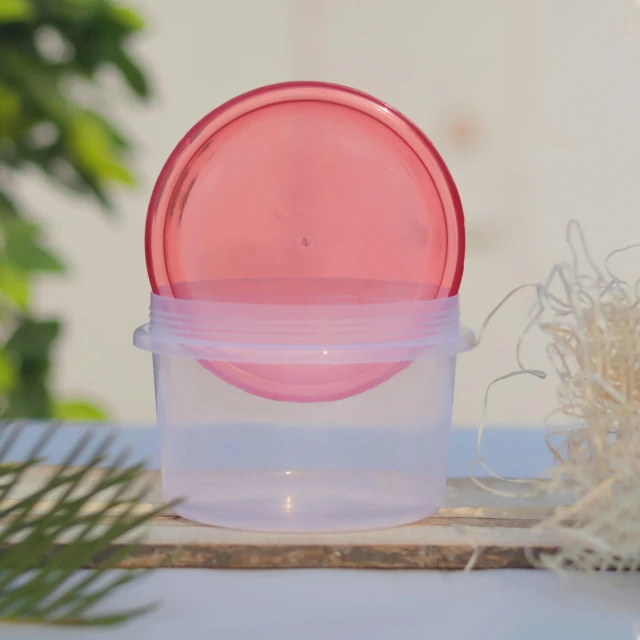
(472, 519)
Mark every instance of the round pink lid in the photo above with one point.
(303, 181)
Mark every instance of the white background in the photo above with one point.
(535, 106)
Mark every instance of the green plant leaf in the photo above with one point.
(117, 137)
(118, 173)
(89, 143)
(87, 156)
(32, 339)
(132, 73)
(10, 111)
(41, 551)
(14, 285)
(92, 144)
(22, 247)
(91, 185)
(30, 397)
(38, 83)
(8, 373)
(16, 11)
(76, 11)
(128, 18)
(78, 411)
(8, 207)
(29, 347)
(75, 5)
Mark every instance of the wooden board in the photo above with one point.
(472, 519)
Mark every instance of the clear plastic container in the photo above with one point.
(305, 245)
(375, 458)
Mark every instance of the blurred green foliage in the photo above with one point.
(53, 57)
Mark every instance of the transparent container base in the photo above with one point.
(374, 460)
(270, 477)
(304, 501)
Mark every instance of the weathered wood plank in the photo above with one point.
(434, 557)
(471, 519)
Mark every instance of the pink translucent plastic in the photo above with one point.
(303, 182)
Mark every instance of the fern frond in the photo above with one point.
(42, 549)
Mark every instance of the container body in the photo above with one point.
(305, 245)
(372, 460)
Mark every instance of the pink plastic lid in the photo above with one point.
(303, 181)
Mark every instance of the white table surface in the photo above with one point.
(200, 604)
(362, 604)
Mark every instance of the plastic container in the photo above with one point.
(374, 459)
(305, 245)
